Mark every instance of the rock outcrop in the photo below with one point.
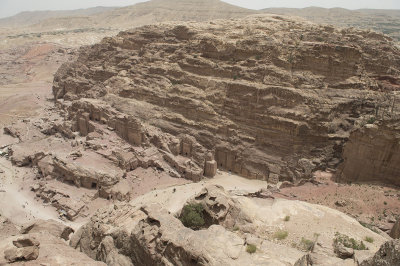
(41, 243)
(25, 248)
(270, 97)
(372, 154)
(147, 231)
(388, 254)
(54, 228)
(395, 231)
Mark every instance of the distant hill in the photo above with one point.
(86, 26)
(386, 21)
(172, 10)
(126, 17)
(33, 17)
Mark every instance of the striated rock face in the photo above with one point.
(269, 97)
(372, 154)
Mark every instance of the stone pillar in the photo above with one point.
(83, 124)
(210, 168)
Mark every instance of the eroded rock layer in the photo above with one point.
(372, 154)
(267, 97)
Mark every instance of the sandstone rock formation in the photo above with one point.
(164, 106)
(395, 232)
(148, 232)
(388, 254)
(54, 228)
(270, 100)
(25, 248)
(372, 154)
(40, 244)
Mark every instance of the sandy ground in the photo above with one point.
(374, 204)
(19, 101)
(16, 203)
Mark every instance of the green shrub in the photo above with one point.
(371, 120)
(369, 239)
(287, 218)
(349, 242)
(280, 235)
(306, 244)
(236, 228)
(251, 248)
(192, 216)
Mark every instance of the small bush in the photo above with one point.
(369, 239)
(385, 203)
(236, 228)
(371, 120)
(349, 242)
(251, 248)
(287, 218)
(192, 216)
(280, 235)
(306, 244)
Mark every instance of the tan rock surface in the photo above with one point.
(276, 105)
(395, 231)
(43, 245)
(372, 154)
(388, 254)
(142, 114)
(156, 236)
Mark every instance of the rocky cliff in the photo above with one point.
(372, 154)
(268, 97)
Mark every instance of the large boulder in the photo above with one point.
(24, 253)
(53, 227)
(388, 255)
(395, 232)
(24, 248)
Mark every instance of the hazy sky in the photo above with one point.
(12, 7)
